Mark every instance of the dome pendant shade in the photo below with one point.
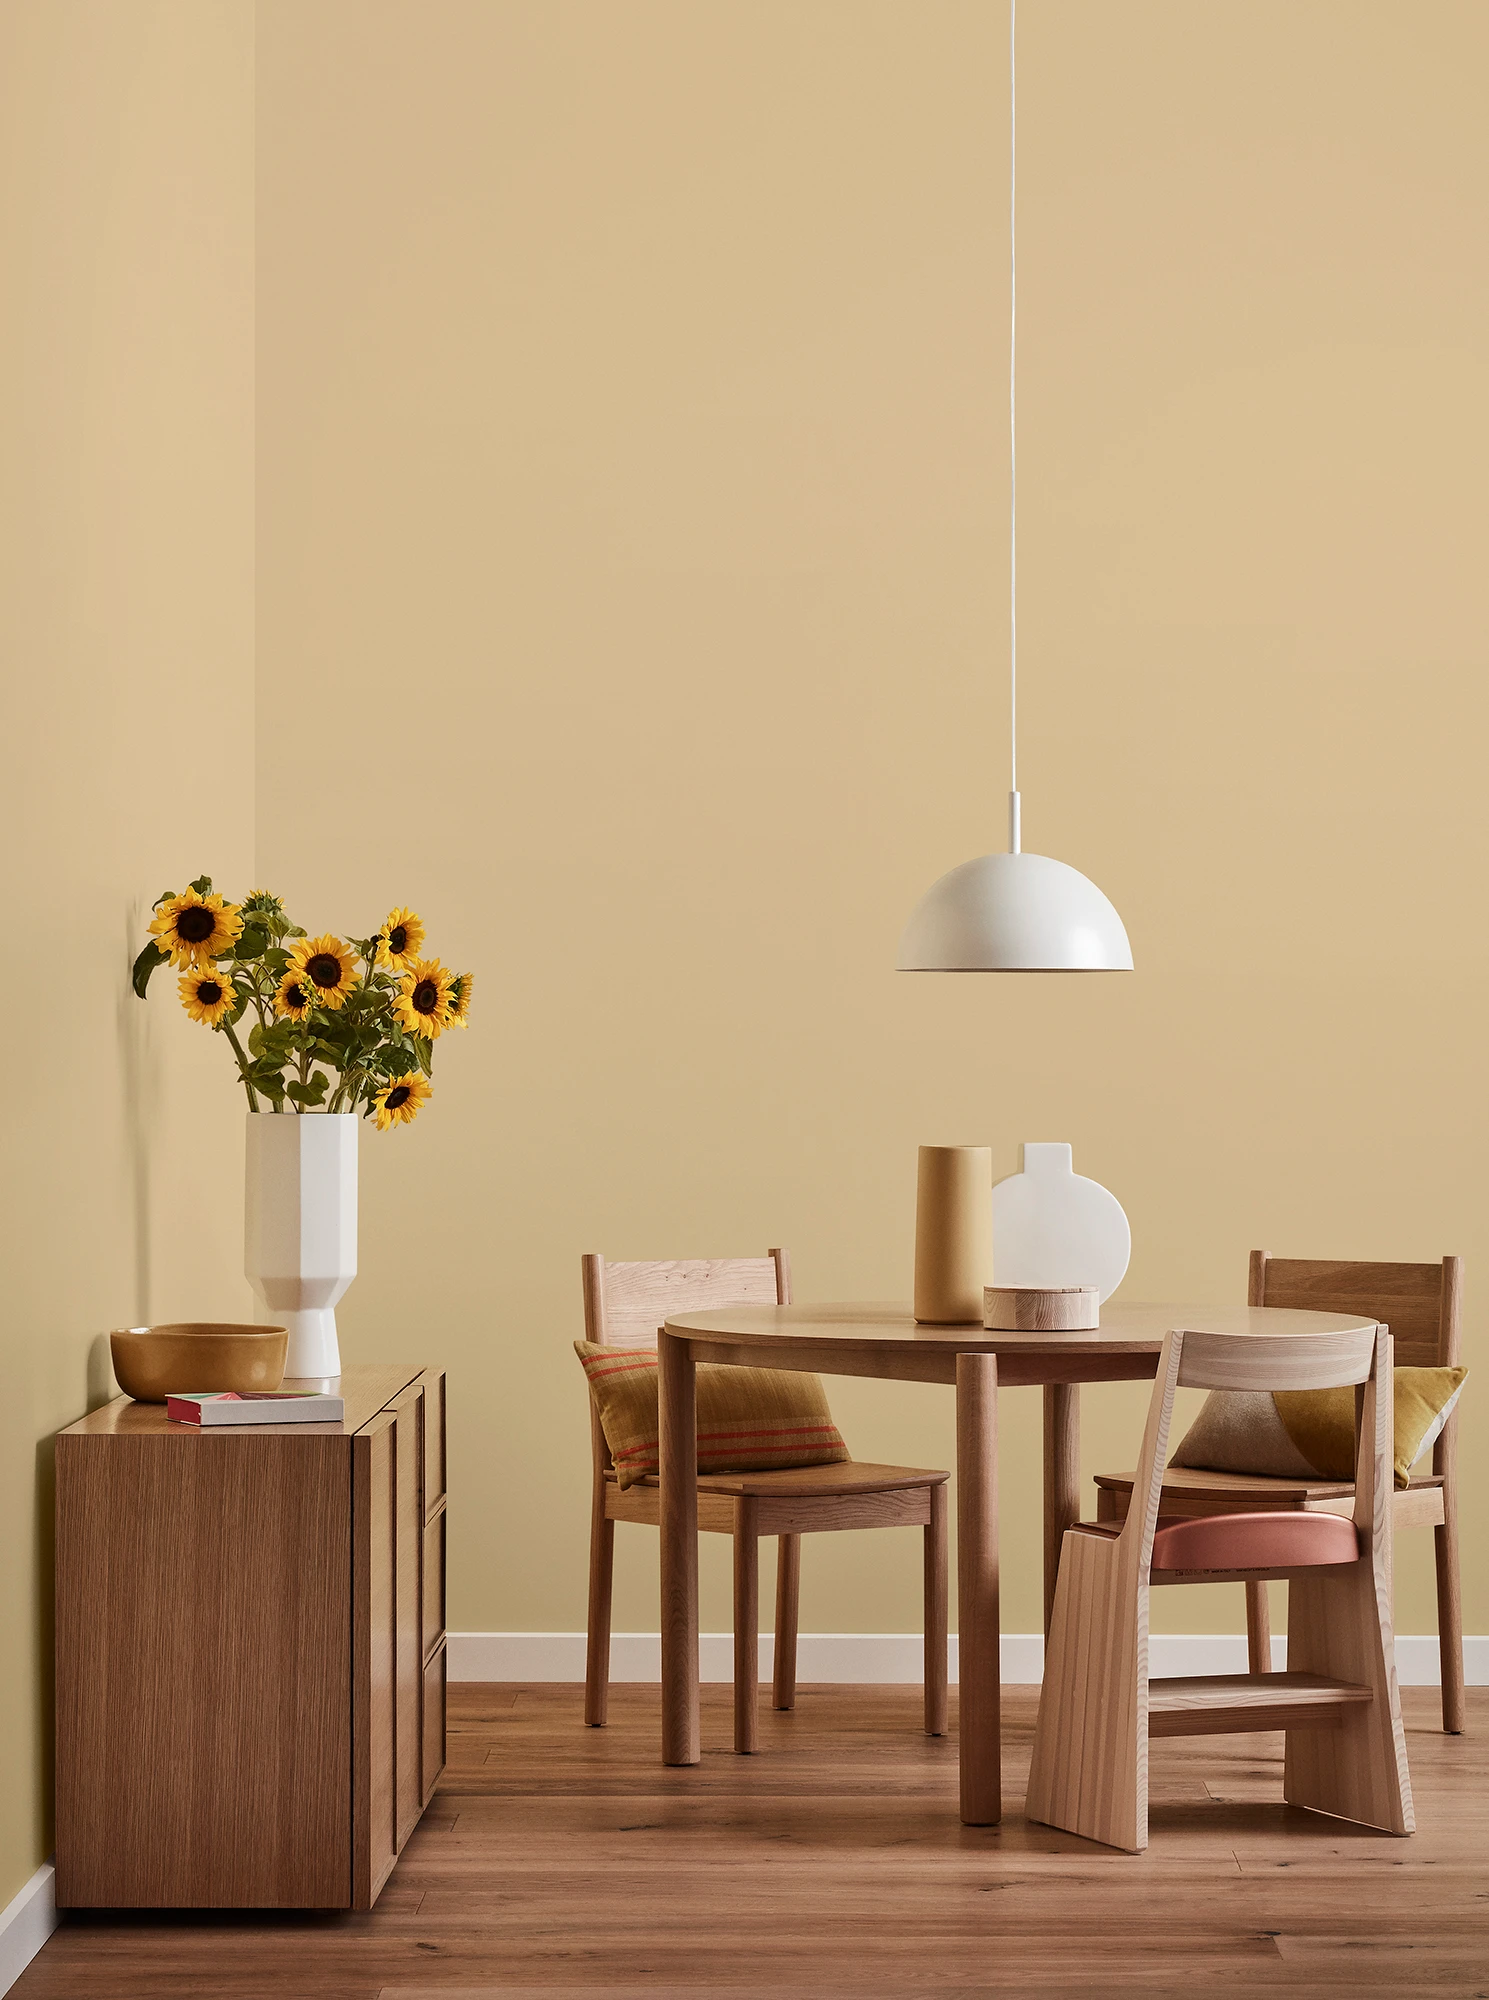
(1014, 913)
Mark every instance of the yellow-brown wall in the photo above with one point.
(630, 599)
(126, 673)
(632, 502)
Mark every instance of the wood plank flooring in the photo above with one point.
(558, 1862)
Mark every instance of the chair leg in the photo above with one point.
(746, 1623)
(597, 1644)
(936, 1610)
(1450, 1613)
(1258, 1629)
(788, 1593)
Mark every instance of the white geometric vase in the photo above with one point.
(300, 1227)
(1053, 1227)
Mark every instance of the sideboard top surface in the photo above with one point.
(365, 1391)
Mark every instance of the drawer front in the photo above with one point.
(434, 1440)
(434, 1723)
(434, 1583)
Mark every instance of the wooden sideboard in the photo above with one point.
(250, 1633)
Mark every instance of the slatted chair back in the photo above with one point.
(1262, 1362)
(1420, 1303)
(625, 1304)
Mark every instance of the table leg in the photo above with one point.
(1062, 1478)
(979, 1689)
(677, 1395)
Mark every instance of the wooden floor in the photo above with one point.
(560, 1862)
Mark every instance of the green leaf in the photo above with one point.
(203, 885)
(425, 1052)
(276, 958)
(145, 964)
(253, 943)
(256, 1041)
(165, 896)
(398, 1062)
(308, 1093)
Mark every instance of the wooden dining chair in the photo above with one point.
(624, 1306)
(1338, 1701)
(1421, 1304)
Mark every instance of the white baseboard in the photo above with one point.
(886, 1658)
(26, 1922)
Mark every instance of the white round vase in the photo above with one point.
(300, 1227)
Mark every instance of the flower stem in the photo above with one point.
(253, 1103)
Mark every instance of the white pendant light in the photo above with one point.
(1013, 912)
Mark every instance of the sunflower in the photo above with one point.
(460, 999)
(400, 940)
(397, 1103)
(326, 965)
(207, 995)
(193, 930)
(295, 997)
(424, 996)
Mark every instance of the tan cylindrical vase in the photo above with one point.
(953, 1234)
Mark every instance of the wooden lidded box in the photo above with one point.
(250, 1636)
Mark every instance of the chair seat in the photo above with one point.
(1292, 1540)
(1183, 1483)
(783, 1482)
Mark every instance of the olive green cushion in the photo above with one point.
(749, 1419)
(1310, 1433)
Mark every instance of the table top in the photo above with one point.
(1128, 1327)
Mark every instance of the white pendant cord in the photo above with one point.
(1014, 831)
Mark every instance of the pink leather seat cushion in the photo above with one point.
(1255, 1541)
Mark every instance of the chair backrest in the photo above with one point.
(1420, 1303)
(1259, 1362)
(624, 1304)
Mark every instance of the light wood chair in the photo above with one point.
(1338, 1701)
(624, 1305)
(1421, 1305)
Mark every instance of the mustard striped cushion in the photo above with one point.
(749, 1419)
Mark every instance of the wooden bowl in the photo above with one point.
(1026, 1309)
(153, 1362)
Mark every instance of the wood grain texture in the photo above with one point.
(1062, 1479)
(788, 1621)
(374, 1798)
(977, 1589)
(198, 1578)
(937, 1613)
(619, 1300)
(557, 1863)
(1221, 1704)
(364, 1391)
(408, 1414)
(678, 1408)
(1422, 1306)
(746, 1624)
(1338, 1702)
(1022, 1309)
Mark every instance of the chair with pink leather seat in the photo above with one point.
(1338, 1702)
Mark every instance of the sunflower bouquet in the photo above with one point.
(336, 1023)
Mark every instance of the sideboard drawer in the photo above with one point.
(434, 1440)
(434, 1582)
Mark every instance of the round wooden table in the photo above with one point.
(885, 1341)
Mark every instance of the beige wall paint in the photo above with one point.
(126, 663)
(632, 602)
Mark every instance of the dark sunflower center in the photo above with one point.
(195, 925)
(399, 1094)
(426, 997)
(209, 993)
(324, 970)
(398, 940)
(296, 996)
